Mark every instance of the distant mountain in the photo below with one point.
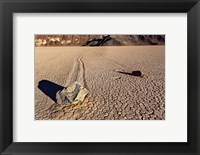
(98, 40)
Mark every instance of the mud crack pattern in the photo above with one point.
(110, 98)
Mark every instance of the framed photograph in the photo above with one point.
(99, 77)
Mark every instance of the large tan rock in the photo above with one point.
(72, 94)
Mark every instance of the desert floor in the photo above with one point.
(112, 95)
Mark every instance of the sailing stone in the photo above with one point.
(72, 94)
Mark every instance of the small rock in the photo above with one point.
(72, 94)
(118, 70)
(117, 77)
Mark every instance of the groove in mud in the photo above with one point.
(113, 62)
(83, 73)
(77, 72)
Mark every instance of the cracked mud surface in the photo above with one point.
(112, 95)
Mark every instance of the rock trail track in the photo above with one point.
(77, 72)
(126, 98)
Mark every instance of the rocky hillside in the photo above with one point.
(98, 40)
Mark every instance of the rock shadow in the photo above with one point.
(133, 73)
(98, 41)
(49, 88)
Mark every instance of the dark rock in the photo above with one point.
(137, 73)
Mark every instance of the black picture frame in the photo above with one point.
(8, 7)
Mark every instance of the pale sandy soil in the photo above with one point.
(112, 95)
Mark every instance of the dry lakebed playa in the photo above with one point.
(114, 94)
